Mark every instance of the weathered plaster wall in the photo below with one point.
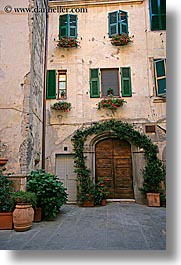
(21, 79)
(14, 67)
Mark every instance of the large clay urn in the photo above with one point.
(23, 216)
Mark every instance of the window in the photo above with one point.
(158, 14)
(117, 79)
(62, 84)
(150, 129)
(109, 79)
(118, 23)
(56, 88)
(160, 76)
(68, 26)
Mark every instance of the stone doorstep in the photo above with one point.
(121, 200)
(110, 200)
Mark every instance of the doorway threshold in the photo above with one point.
(120, 200)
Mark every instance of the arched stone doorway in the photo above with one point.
(113, 160)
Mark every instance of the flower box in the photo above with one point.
(62, 106)
(112, 103)
(68, 43)
(121, 40)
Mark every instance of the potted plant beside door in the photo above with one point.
(51, 194)
(6, 215)
(101, 191)
(153, 174)
(23, 214)
(85, 188)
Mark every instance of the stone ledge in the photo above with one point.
(19, 181)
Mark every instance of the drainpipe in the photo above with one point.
(44, 89)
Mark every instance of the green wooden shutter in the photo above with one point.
(51, 84)
(163, 14)
(158, 14)
(113, 23)
(160, 77)
(72, 29)
(63, 26)
(126, 82)
(94, 83)
(123, 22)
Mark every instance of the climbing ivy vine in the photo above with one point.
(154, 170)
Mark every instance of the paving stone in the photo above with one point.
(116, 226)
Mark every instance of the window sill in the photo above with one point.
(159, 99)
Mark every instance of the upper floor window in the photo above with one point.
(56, 88)
(119, 80)
(118, 23)
(158, 14)
(68, 26)
(62, 84)
(160, 76)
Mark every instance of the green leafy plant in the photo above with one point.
(111, 103)
(85, 187)
(63, 94)
(23, 197)
(101, 190)
(68, 42)
(122, 39)
(62, 106)
(123, 131)
(51, 194)
(110, 91)
(163, 198)
(5, 193)
(153, 174)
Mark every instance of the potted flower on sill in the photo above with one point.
(6, 215)
(68, 43)
(23, 214)
(112, 103)
(121, 40)
(153, 174)
(62, 106)
(63, 94)
(110, 91)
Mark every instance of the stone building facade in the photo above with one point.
(22, 52)
(81, 76)
(136, 71)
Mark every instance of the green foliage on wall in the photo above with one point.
(124, 131)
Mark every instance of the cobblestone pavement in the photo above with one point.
(116, 226)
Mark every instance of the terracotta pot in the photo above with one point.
(103, 202)
(6, 220)
(87, 203)
(37, 214)
(3, 161)
(153, 199)
(23, 216)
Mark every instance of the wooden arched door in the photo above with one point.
(113, 160)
